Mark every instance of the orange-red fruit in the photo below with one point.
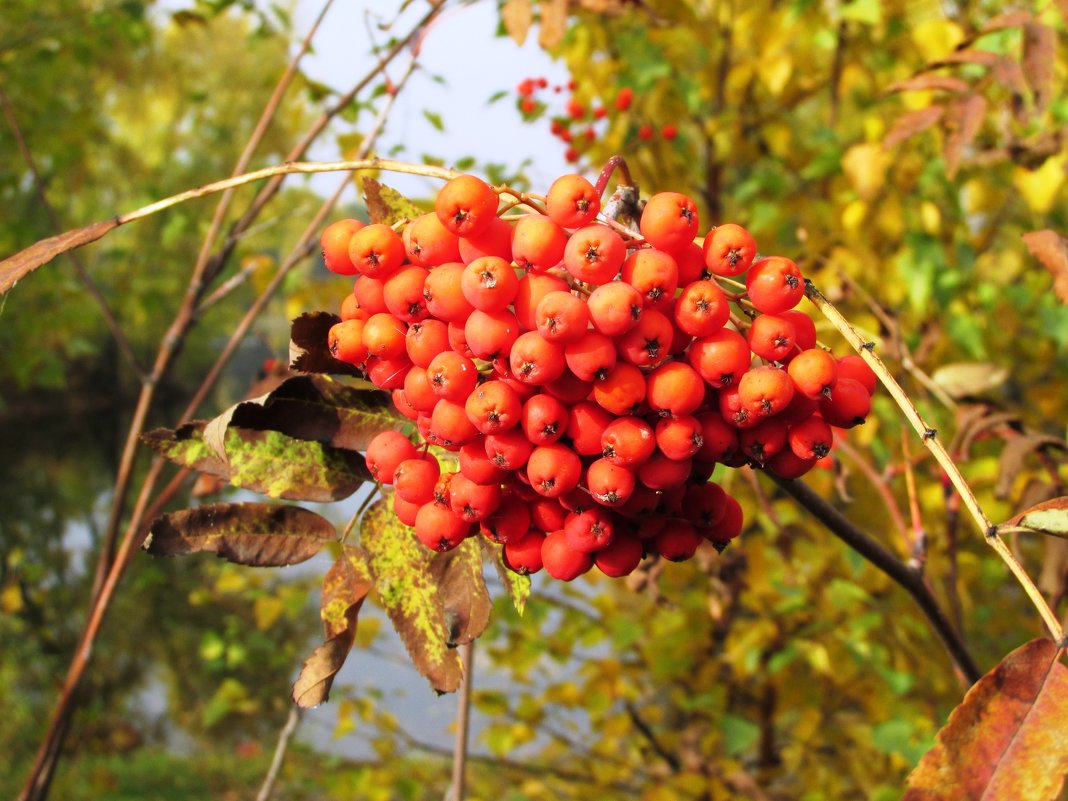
(774, 285)
(586, 422)
(429, 243)
(561, 561)
(345, 341)
(787, 464)
(649, 342)
(495, 240)
(509, 449)
(674, 388)
(659, 472)
(731, 525)
(449, 425)
(439, 529)
(510, 522)
(452, 376)
(572, 201)
(621, 390)
(406, 511)
(764, 440)
(591, 530)
(721, 358)
(524, 557)
(376, 251)
(609, 484)
(414, 479)
(403, 294)
(678, 541)
(473, 502)
(385, 452)
(729, 250)
(443, 295)
(621, 557)
(466, 205)
(701, 309)
(669, 220)
(814, 372)
(853, 366)
(654, 274)
(765, 390)
(383, 334)
(476, 464)
(535, 360)
(772, 337)
(679, 437)
(614, 308)
(489, 283)
(537, 243)
(562, 317)
(553, 470)
(388, 373)
(594, 254)
(628, 441)
(532, 288)
(493, 406)
(426, 339)
(848, 405)
(592, 357)
(350, 308)
(335, 246)
(544, 419)
(490, 335)
(811, 439)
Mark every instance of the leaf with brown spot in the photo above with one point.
(39, 254)
(257, 534)
(345, 586)
(1051, 249)
(1011, 461)
(458, 574)
(185, 446)
(1048, 517)
(315, 408)
(924, 83)
(1007, 739)
(409, 594)
(911, 123)
(966, 115)
(386, 205)
(553, 23)
(517, 16)
(309, 351)
(1039, 47)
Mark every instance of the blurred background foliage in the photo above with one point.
(787, 668)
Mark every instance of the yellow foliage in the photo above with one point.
(865, 165)
(1040, 187)
(936, 38)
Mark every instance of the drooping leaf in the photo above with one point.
(518, 586)
(308, 348)
(518, 16)
(185, 446)
(1051, 249)
(278, 466)
(458, 574)
(40, 253)
(315, 408)
(553, 22)
(966, 116)
(1049, 517)
(1039, 47)
(386, 205)
(911, 123)
(1007, 738)
(409, 594)
(257, 534)
(1010, 19)
(345, 585)
(1011, 461)
(923, 83)
(962, 379)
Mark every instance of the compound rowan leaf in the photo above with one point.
(409, 594)
(309, 351)
(257, 534)
(40, 253)
(1049, 517)
(517, 586)
(458, 574)
(345, 586)
(1007, 737)
(315, 408)
(1051, 249)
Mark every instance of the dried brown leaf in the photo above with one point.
(518, 15)
(1006, 740)
(911, 123)
(926, 82)
(1039, 47)
(312, 686)
(39, 254)
(1011, 461)
(1011, 19)
(466, 600)
(553, 23)
(308, 348)
(984, 58)
(386, 205)
(966, 115)
(257, 534)
(1048, 517)
(1051, 249)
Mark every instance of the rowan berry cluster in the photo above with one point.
(588, 378)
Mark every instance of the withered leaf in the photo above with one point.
(458, 574)
(309, 351)
(967, 115)
(257, 534)
(1011, 461)
(553, 23)
(1051, 249)
(1007, 737)
(962, 379)
(345, 586)
(1048, 517)
(185, 446)
(40, 253)
(1038, 55)
(410, 595)
(911, 123)
(920, 83)
(386, 205)
(517, 16)
(1011, 19)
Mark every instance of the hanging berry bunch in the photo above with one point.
(588, 377)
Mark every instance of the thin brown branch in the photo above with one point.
(458, 788)
(650, 737)
(878, 483)
(910, 580)
(79, 269)
(288, 730)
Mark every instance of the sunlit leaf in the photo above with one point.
(1007, 738)
(1050, 517)
(257, 534)
(409, 594)
(553, 22)
(386, 205)
(29, 259)
(969, 378)
(517, 16)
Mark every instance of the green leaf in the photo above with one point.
(517, 586)
(434, 119)
(258, 534)
(1049, 517)
(409, 594)
(739, 735)
(386, 205)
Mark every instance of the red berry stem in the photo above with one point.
(614, 163)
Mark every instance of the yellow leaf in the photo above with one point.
(267, 609)
(935, 38)
(1040, 187)
(10, 600)
(775, 71)
(517, 16)
(931, 217)
(853, 215)
(865, 166)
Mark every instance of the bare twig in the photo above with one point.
(930, 439)
(284, 736)
(650, 737)
(458, 787)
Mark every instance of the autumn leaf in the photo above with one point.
(966, 118)
(458, 574)
(257, 534)
(1048, 517)
(386, 205)
(409, 594)
(923, 83)
(518, 586)
(911, 123)
(1050, 248)
(39, 254)
(553, 22)
(517, 16)
(1006, 740)
(345, 586)
(1038, 56)
(308, 348)
(185, 446)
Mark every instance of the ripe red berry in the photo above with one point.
(774, 284)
